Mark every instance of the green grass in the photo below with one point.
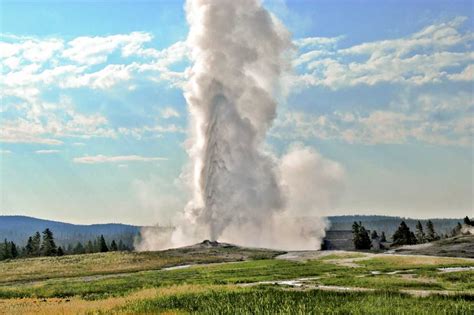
(425, 277)
(220, 283)
(43, 268)
(278, 301)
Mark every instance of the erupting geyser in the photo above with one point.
(240, 193)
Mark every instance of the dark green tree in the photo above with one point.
(29, 250)
(103, 245)
(90, 248)
(420, 234)
(403, 236)
(430, 232)
(374, 235)
(36, 244)
(467, 221)
(361, 237)
(457, 229)
(60, 251)
(13, 250)
(113, 246)
(48, 246)
(383, 238)
(79, 249)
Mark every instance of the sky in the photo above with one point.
(93, 122)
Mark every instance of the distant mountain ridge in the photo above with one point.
(18, 228)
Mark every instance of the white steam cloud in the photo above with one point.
(241, 194)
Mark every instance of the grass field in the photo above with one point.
(236, 281)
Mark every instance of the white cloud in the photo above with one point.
(113, 159)
(46, 151)
(169, 112)
(96, 50)
(5, 151)
(441, 119)
(420, 58)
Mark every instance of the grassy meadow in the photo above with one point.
(236, 281)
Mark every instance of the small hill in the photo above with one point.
(458, 246)
(18, 228)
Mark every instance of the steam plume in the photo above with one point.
(240, 193)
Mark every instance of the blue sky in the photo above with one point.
(93, 118)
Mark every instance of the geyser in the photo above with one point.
(240, 194)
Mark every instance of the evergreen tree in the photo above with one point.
(79, 248)
(29, 249)
(374, 235)
(365, 242)
(48, 246)
(383, 238)
(13, 250)
(420, 234)
(36, 244)
(361, 237)
(430, 232)
(103, 245)
(467, 221)
(457, 229)
(403, 236)
(90, 248)
(5, 252)
(113, 246)
(60, 251)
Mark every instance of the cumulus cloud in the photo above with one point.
(420, 58)
(114, 159)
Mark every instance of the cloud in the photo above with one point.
(113, 159)
(5, 151)
(46, 151)
(169, 112)
(441, 119)
(96, 50)
(424, 57)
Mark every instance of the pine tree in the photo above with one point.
(60, 251)
(365, 242)
(79, 249)
(29, 250)
(36, 244)
(356, 234)
(403, 236)
(457, 229)
(383, 238)
(90, 248)
(103, 245)
(48, 246)
(430, 232)
(13, 250)
(361, 237)
(374, 235)
(467, 221)
(420, 234)
(113, 246)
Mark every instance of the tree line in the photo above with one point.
(43, 244)
(403, 235)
